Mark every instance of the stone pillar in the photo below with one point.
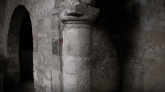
(77, 17)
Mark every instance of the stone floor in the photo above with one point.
(27, 86)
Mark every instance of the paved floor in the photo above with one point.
(27, 86)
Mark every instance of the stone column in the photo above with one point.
(77, 17)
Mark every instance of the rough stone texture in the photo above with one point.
(44, 28)
(130, 33)
(76, 58)
(151, 39)
(105, 64)
(77, 18)
(128, 44)
(108, 46)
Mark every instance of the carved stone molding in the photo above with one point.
(78, 13)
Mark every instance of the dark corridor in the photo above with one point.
(26, 50)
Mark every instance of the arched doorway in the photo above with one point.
(26, 49)
(20, 47)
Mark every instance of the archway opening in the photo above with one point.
(26, 49)
(20, 48)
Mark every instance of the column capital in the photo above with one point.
(77, 13)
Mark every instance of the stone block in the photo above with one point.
(45, 46)
(35, 76)
(54, 23)
(16, 62)
(47, 25)
(49, 5)
(47, 82)
(54, 62)
(42, 35)
(55, 81)
(38, 74)
(48, 90)
(48, 73)
(38, 86)
(40, 25)
(35, 68)
(35, 58)
(36, 41)
(40, 77)
(57, 3)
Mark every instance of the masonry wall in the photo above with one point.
(151, 38)
(128, 44)
(43, 14)
(108, 44)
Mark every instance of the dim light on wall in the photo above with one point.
(1, 80)
(1, 46)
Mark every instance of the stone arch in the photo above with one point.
(13, 43)
(45, 28)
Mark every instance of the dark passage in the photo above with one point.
(26, 50)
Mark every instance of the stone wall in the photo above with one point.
(151, 38)
(128, 44)
(43, 14)
(108, 56)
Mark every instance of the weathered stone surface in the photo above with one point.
(35, 76)
(49, 73)
(55, 46)
(88, 2)
(35, 58)
(56, 81)
(47, 82)
(48, 90)
(105, 65)
(44, 28)
(77, 82)
(136, 40)
(38, 87)
(14, 75)
(127, 43)
(77, 42)
(55, 26)
(54, 62)
(76, 58)
(78, 13)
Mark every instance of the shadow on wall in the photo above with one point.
(114, 46)
(2, 56)
(3, 69)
